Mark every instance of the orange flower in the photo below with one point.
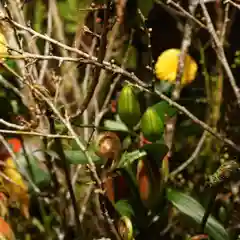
(16, 144)
(5, 230)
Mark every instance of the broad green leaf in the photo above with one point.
(189, 206)
(115, 126)
(124, 208)
(79, 157)
(163, 109)
(156, 151)
(129, 157)
(39, 176)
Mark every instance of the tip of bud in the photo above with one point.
(15, 144)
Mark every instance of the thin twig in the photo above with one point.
(233, 3)
(47, 46)
(4, 131)
(192, 157)
(220, 51)
(14, 12)
(9, 85)
(86, 58)
(85, 88)
(186, 13)
(196, 120)
(59, 150)
(186, 42)
(12, 125)
(114, 68)
(101, 54)
(85, 201)
(27, 55)
(104, 108)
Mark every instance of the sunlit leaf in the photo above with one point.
(79, 157)
(115, 126)
(129, 157)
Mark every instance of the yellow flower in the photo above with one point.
(3, 45)
(15, 186)
(167, 64)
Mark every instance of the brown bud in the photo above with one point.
(148, 180)
(108, 146)
(125, 228)
(109, 188)
(143, 180)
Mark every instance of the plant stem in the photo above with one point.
(59, 150)
(208, 209)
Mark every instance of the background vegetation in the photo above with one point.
(101, 137)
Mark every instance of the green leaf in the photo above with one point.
(124, 208)
(74, 12)
(189, 206)
(39, 176)
(127, 141)
(156, 151)
(79, 157)
(129, 157)
(163, 109)
(115, 126)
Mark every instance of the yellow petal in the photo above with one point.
(3, 205)
(16, 188)
(167, 63)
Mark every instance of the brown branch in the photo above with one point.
(233, 4)
(220, 51)
(86, 58)
(186, 42)
(116, 69)
(101, 54)
(192, 157)
(47, 47)
(184, 12)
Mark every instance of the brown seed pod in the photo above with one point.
(125, 228)
(108, 185)
(148, 183)
(108, 146)
(116, 187)
(143, 180)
